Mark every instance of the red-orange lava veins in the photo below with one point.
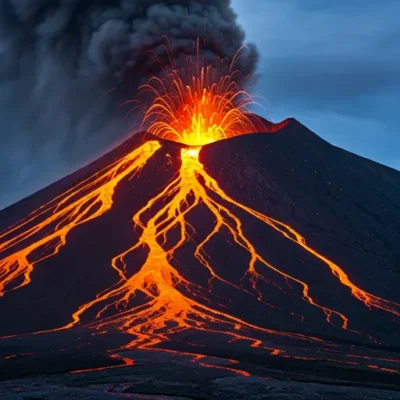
(45, 230)
(168, 309)
(195, 113)
(172, 303)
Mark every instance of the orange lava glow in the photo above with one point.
(125, 362)
(156, 301)
(195, 106)
(46, 229)
(168, 309)
(175, 304)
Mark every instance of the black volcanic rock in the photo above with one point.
(346, 207)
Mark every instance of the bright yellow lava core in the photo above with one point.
(193, 152)
(199, 109)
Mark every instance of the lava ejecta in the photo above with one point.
(198, 105)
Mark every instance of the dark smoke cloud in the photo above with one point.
(59, 57)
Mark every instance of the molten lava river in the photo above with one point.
(155, 302)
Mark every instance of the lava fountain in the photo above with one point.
(198, 105)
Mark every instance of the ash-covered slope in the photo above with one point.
(346, 206)
(324, 221)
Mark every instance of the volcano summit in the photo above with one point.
(269, 255)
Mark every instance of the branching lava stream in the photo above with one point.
(47, 228)
(168, 310)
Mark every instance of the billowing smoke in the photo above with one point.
(66, 66)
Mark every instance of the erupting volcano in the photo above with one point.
(200, 236)
(199, 105)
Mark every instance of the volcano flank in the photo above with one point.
(268, 255)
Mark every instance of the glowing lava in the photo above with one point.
(196, 106)
(173, 303)
(156, 301)
(45, 231)
(170, 306)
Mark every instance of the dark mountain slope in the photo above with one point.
(346, 208)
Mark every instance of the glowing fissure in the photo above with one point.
(47, 228)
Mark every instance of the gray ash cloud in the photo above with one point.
(59, 57)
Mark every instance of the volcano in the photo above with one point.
(268, 255)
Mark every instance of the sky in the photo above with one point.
(332, 65)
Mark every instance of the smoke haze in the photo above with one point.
(66, 66)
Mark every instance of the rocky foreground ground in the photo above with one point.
(163, 376)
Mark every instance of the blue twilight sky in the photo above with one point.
(334, 66)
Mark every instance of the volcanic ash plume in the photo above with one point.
(59, 57)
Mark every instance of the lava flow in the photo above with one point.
(196, 113)
(194, 106)
(45, 230)
(172, 304)
(168, 309)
